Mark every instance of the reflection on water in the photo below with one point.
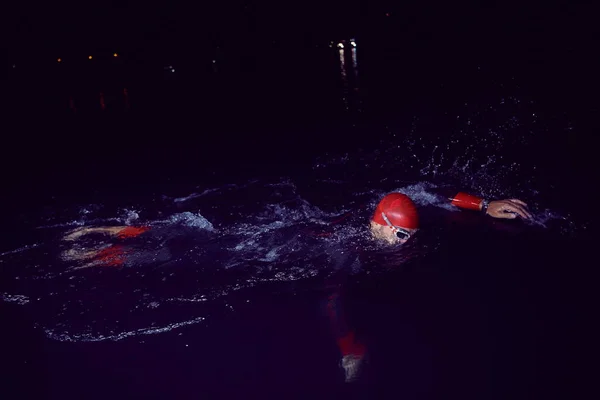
(342, 65)
(97, 86)
(349, 75)
(110, 101)
(354, 65)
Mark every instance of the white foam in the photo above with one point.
(272, 255)
(62, 225)
(192, 220)
(195, 195)
(20, 249)
(89, 337)
(212, 190)
(421, 194)
(130, 216)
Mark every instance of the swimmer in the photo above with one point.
(394, 222)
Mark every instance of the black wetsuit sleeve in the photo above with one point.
(343, 262)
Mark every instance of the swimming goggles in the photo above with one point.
(401, 233)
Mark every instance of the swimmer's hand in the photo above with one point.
(509, 208)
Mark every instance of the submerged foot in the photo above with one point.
(352, 365)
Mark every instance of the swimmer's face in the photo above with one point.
(388, 235)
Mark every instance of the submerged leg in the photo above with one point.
(351, 349)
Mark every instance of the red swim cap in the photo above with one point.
(399, 209)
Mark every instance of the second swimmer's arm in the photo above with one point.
(79, 232)
(121, 231)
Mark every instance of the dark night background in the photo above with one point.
(271, 62)
(270, 106)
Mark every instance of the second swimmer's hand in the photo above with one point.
(509, 208)
(75, 233)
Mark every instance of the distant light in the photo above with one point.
(173, 70)
(89, 57)
(115, 55)
(353, 43)
(59, 59)
(387, 14)
(340, 45)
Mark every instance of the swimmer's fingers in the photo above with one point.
(514, 209)
(521, 202)
(522, 207)
(503, 214)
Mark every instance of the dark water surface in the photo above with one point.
(271, 150)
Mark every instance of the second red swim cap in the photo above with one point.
(399, 209)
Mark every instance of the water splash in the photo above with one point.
(212, 191)
(15, 298)
(129, 216)
(485, 150)
(20, 249)
(191, 220)
(423, 194)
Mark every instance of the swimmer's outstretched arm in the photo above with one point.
(507, 208)
(79, 232)
(120, 231)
